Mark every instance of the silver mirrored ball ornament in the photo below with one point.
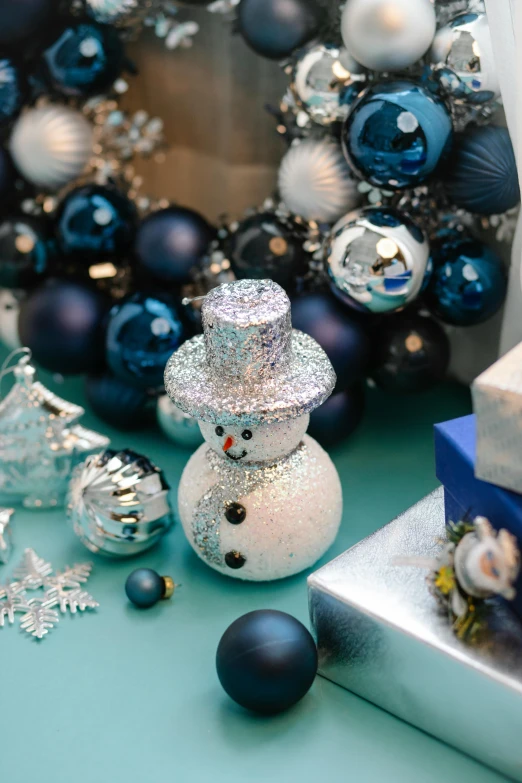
(377, 259)
(177, 425)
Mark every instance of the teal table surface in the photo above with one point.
(130, 696)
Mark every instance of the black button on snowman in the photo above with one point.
(259, 499)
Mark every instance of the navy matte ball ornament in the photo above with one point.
(344, 340)
(411, 354)
(483, 172)
(117, 403)
(20, 20)
(95, 223)
(275, 28)
(468, 284)
(170, 242)
(263, 246)
(62, 323)
(145, 587)
(396, 134)
(338, 417)
(12, 92)
(266, 661)
(25, 251)
(143, 332)
(85, 60)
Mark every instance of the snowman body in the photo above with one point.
(262, 509)
(259, 499)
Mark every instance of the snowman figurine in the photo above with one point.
(260, 499)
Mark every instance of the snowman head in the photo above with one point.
(260, 443)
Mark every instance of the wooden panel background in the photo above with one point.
(224, 149)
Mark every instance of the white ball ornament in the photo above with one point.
(315, 181)
(388, 35)
(51, 145)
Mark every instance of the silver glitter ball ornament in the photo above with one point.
(315, 181)
(113, 11)
(325, 81)
(51, 145)
(40, 442)
(462, 57)
(118, 503)
(249, 366)
(178, 426)
(377, 259)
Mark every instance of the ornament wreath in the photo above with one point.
(393, 169)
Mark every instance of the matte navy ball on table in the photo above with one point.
(62, 323)
(468, 284)
(275, 28)
(13, 90)
(344, 340)
(411, 354)
(145, 587)
(86, 59)
(95, 222)
(21, 20)
(262, 247)
(338, 417)
(396, 135)
(26, 253)
(266, 661)
(483, 172)
(143, 332)
(172, 241)
(116, 402)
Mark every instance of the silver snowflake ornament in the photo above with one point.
(41, 594)
(6, 544)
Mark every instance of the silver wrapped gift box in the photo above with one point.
(497, 401)
(380, 634)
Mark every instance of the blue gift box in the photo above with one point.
(464, 494)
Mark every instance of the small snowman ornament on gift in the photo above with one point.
(260, 499)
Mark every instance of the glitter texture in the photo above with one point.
(293, 510)
(250, 367)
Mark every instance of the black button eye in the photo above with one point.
(246, 435)
(220, 431)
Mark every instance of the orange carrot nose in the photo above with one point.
(229, 442)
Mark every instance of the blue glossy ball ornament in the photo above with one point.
(94, 222)
(337, 418)
(62, 323)
(143, 332)
(171, 242)
(86, 59)
(26, 253)
(483, 172)
(345, 341)
(21, 20)
(276, 28)
(266, 661)
(145, 587)
(411, 354)
(263, 246)
(468, 285)
(117, 403)
(396, 135)
(377, 260)
(13, 90)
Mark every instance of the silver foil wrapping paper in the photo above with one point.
(380, 634)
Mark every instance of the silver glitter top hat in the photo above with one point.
(250, 366)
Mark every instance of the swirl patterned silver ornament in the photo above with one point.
(51, 145)
(118, 503)
(315, 181)
(112, 11)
